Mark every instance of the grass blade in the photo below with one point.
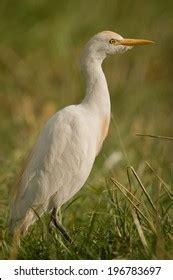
(119, 186)
(155, 136)
(143, 188)
(140, 231)
(170, 194)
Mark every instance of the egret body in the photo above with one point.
(69, 142)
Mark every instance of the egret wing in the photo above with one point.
(56, 162)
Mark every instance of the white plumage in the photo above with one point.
(64, 153)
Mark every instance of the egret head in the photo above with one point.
(108, 42)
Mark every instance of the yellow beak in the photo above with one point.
(135, 42)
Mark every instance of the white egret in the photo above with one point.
(69, 142)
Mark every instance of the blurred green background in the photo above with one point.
(40, 47)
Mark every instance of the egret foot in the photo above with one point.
(55, 223)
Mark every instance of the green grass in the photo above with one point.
(121, 213)
(109, 221)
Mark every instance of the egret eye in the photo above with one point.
(112, 41)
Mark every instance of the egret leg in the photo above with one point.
(54, 221)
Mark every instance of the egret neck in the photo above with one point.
(97, 94)
(97, 99)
